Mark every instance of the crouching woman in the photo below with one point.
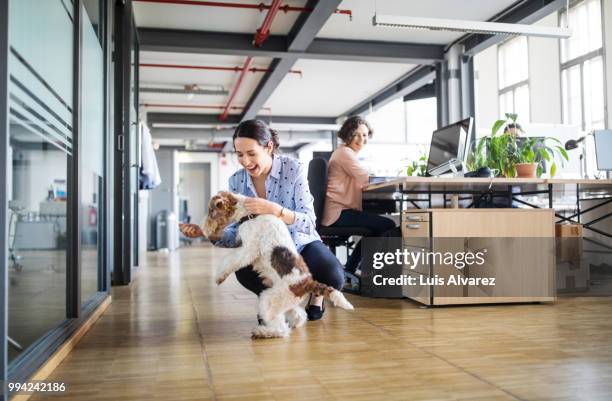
(276, 184)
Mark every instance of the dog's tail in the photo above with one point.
(335, 296)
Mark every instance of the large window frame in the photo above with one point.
(4, 145)
(580, 62)
(505, 89)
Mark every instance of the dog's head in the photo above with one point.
(221, 211)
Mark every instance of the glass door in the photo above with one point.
(93, 139)
(41, 58)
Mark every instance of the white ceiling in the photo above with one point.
(360, 28)
(329, 88)
(177, 78)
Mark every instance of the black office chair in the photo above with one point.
(331, 236)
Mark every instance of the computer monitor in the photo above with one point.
(603, 149)
(448, 143)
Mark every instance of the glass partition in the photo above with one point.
(41, 138)
(92, 147)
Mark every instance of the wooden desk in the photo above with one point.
(517, 191)
(585, 190)
(466, 183)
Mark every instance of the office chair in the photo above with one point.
(331, 236)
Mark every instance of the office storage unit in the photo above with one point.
(518, 245)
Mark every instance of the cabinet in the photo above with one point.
(517, 249)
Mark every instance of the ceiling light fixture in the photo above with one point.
(492, 28)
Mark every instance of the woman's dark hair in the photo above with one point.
(257, 130)
(347, 131)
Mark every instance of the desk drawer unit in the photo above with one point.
(520, 254)
(415, 224)
(418, 292)
(420, 265)
(412, 217)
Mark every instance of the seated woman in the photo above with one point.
(277, 185)
(346, 180)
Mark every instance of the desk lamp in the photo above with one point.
(579, 143)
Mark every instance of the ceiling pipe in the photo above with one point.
(262, 34)
(259, 7)
(245, 68)
(194, 106)
(184, 91)
(210, 68)
(260, 37)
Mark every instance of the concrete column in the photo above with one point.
(453, 77)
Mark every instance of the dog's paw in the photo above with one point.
(296, 317)
(267, 332)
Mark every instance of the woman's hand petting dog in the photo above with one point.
(261, 206)
(191, 230)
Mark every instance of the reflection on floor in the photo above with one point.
(174, 335)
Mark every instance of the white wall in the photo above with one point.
(212, 159)
(194, 186)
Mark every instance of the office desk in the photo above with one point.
(511, 188)
(516, 191)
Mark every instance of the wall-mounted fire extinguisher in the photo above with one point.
(92, 216)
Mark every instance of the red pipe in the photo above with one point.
(211, 68)
(193, 106)
(245, 68)
(261, 35)
(261, 6)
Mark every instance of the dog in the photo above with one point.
(265, 244)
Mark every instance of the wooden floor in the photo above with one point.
(174, 335)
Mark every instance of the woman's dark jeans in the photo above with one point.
(379, 225)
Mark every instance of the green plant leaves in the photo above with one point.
(502, 152)
(419, 166)
(511, 116)
(545, 154)
(563, 153)
(498, 124)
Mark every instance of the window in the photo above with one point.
(402, 132)
(582, 70)
(388, 123)
(513, 74)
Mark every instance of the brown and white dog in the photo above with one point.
(265, 244)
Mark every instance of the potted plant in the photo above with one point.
(497, 151)
(418, 166)
(532, 151)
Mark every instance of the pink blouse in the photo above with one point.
(346, 179)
